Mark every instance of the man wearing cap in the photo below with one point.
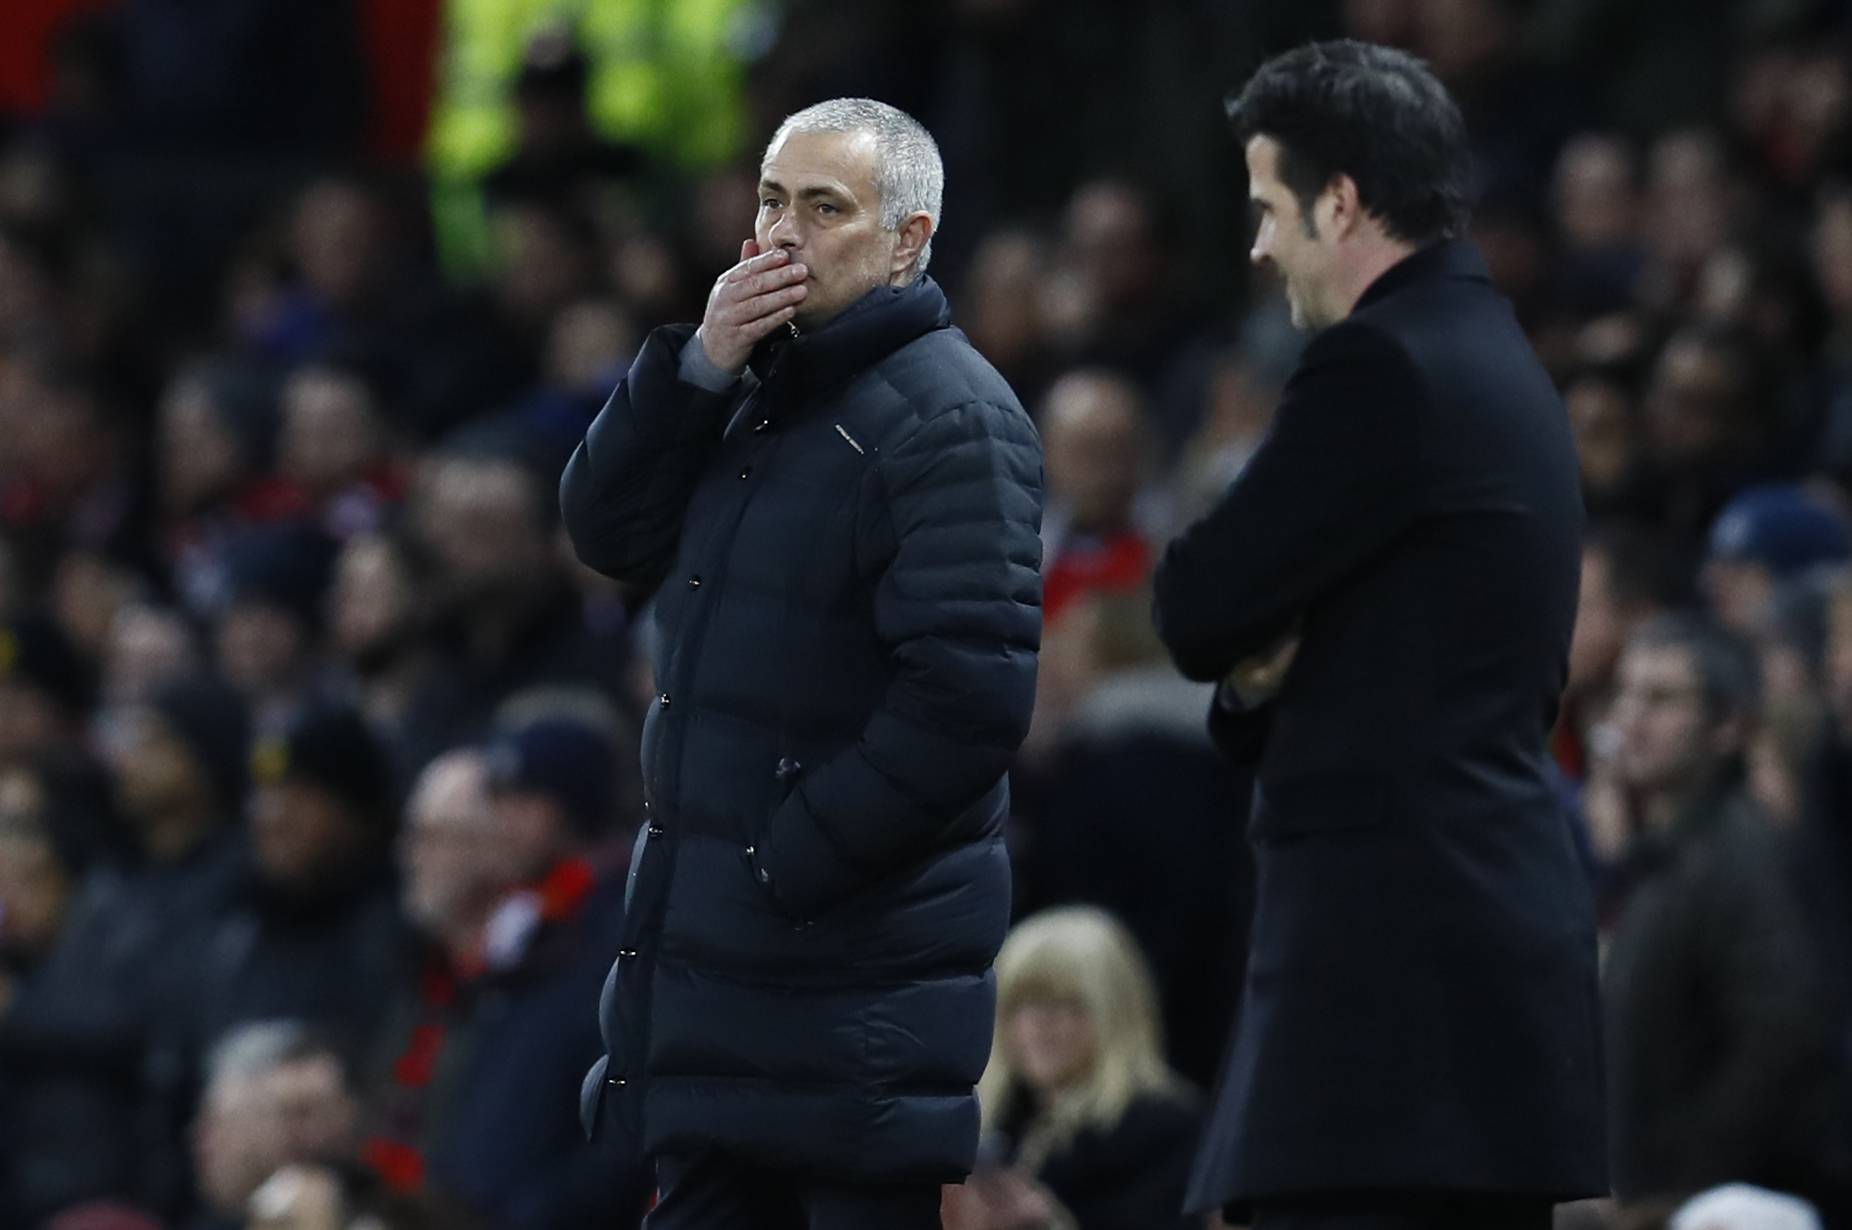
(317, 932)
(476, 1051)
(1765, 536)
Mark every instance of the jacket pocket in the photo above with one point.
(1329, 803)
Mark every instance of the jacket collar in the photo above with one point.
(1450, 258)
(868, 330)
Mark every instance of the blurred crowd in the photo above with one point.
(317, 745)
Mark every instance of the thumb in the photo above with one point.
(749, 249)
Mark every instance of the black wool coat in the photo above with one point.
(845, 553)
(1420, 1007)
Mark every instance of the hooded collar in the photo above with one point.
(802, 362)
(1450, 258)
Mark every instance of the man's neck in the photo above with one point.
(1373, 259)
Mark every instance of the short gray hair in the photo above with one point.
(257, 1048)
(909, 175)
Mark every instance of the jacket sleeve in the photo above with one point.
(958, 609)
(1334, 480)
(626, 489)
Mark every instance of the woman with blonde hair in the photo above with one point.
(1085, 1125)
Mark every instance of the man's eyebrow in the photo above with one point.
(807, 194)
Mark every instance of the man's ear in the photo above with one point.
(1339, 209)
(915, 232)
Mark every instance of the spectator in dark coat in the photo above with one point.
(485, 1049)
(59, 1123)
(845, 541)
(1716, 1014)
(1410, 530)
(78, 1046)
(315, 933)
(1089, 1122)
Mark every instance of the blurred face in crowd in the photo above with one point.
(87, 592)
(1596, 205)
(1004, 317)
(301, 834)
(1690, 199)
(817, 201)
(1111, 236)
(1289, 242)
(1601, 416)
(30, 719)
(331, 430)
(1459, 38)
(147, 647)
(1670, 739)
(237, 1141)
(1740, 592)
(314, 1108)
(532, 830)
(34, 888)
(1051, 1042)
(154, 771)
(252, 1125)
(1694, 407)
(481, 519)
(588, 342)
(452, 857)
(1094, 439)
(372, 596)
(199, 455)
(339, 242)
(259, 646)
(542, 264)
(1832, 253)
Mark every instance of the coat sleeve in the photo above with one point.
(626, 489)
(958, 609)
(1334, 480)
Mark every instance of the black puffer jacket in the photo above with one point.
(846, 554)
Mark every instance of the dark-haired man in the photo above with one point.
(1387, 592)
(1716, 1016)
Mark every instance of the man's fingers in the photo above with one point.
(764, 280)
(757, 264)
(748, 250)
(758, 306)
(772, 279)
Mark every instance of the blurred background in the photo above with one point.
(316, 744)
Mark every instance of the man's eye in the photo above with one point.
(769, 203)
(824, 207)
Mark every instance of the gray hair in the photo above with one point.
(256, 1048)
(909, 176)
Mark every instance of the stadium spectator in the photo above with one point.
(1089, 1128)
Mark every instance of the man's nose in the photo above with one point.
(784, 232)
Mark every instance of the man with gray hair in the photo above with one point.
(835, 502)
